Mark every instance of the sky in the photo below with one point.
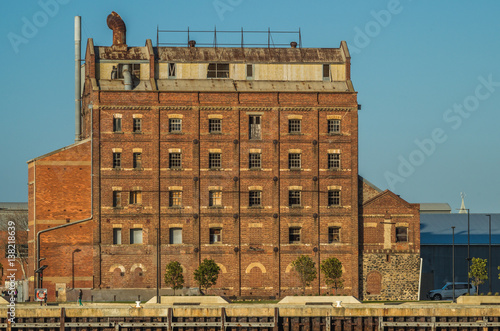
(426, 72)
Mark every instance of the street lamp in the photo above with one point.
(468, 250)
(489, 252)
(453, 260)
(73, 266)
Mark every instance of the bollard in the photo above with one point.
(138, 304)
(338, 304)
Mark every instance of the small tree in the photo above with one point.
(478, 272)
(207, 273)
(306, 268)
(332, 269)
(173, 276)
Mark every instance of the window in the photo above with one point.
(255, 131)
(294, 160)
(294, 235)
(215, 125)
(135, 70)
(175, 236)
(20, 251)
(334, 126)
(172, 68)
(294, 126)
(334, 198)
(117, 199)
(254, 161)
(137, 160)
(254, 198)
(175, 125)
(215, 235)
(117, 236)
(218, 70)
(401, 234)
(136, 236)
(117, 160)
(214, 160)
(117, 124)
(333, 234)
(326, 72)
(137, 125)
(294, 198)
(215, 198)
(135, 197)
(334, 161)
(249, 68)
(175, 199)
(174, 160)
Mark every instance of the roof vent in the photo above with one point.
(293, 44)
(192, 43)
(116, 24)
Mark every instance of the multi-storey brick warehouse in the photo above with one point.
(248, 156)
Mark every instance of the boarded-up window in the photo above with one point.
(136, 236)
(373, 283)
(175, 236)
(255, 128)
(255, 277)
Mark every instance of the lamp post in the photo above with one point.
(468, 251)
(453, 260)
(489, 253)
(73, 266)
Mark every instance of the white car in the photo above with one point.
(446, 292)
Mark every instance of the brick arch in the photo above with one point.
(373, 283)
(115, 266)
(137, 265)
(222, 268)
(255, 265)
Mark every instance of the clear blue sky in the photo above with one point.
(425, 71)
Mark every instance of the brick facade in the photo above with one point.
(209, 200)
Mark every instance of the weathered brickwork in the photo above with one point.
(59, 194)
(181, 183)
(381, 282)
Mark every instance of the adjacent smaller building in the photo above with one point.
(14, 245)
(436, 235)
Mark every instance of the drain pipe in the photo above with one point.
(78, 78)
(127, 77)
(91, 198)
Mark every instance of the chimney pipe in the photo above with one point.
(115, 23)
(78, 78)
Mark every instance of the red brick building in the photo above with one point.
(248, 156)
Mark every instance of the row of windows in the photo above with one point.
(215, 198)
(214, 70)
(215, 235)
(136, 125)
(215, 126)
(214, 161)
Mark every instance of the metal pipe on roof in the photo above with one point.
(127, 77)
(115, 23)
(78, 78)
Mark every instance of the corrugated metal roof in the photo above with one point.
(436, 229)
